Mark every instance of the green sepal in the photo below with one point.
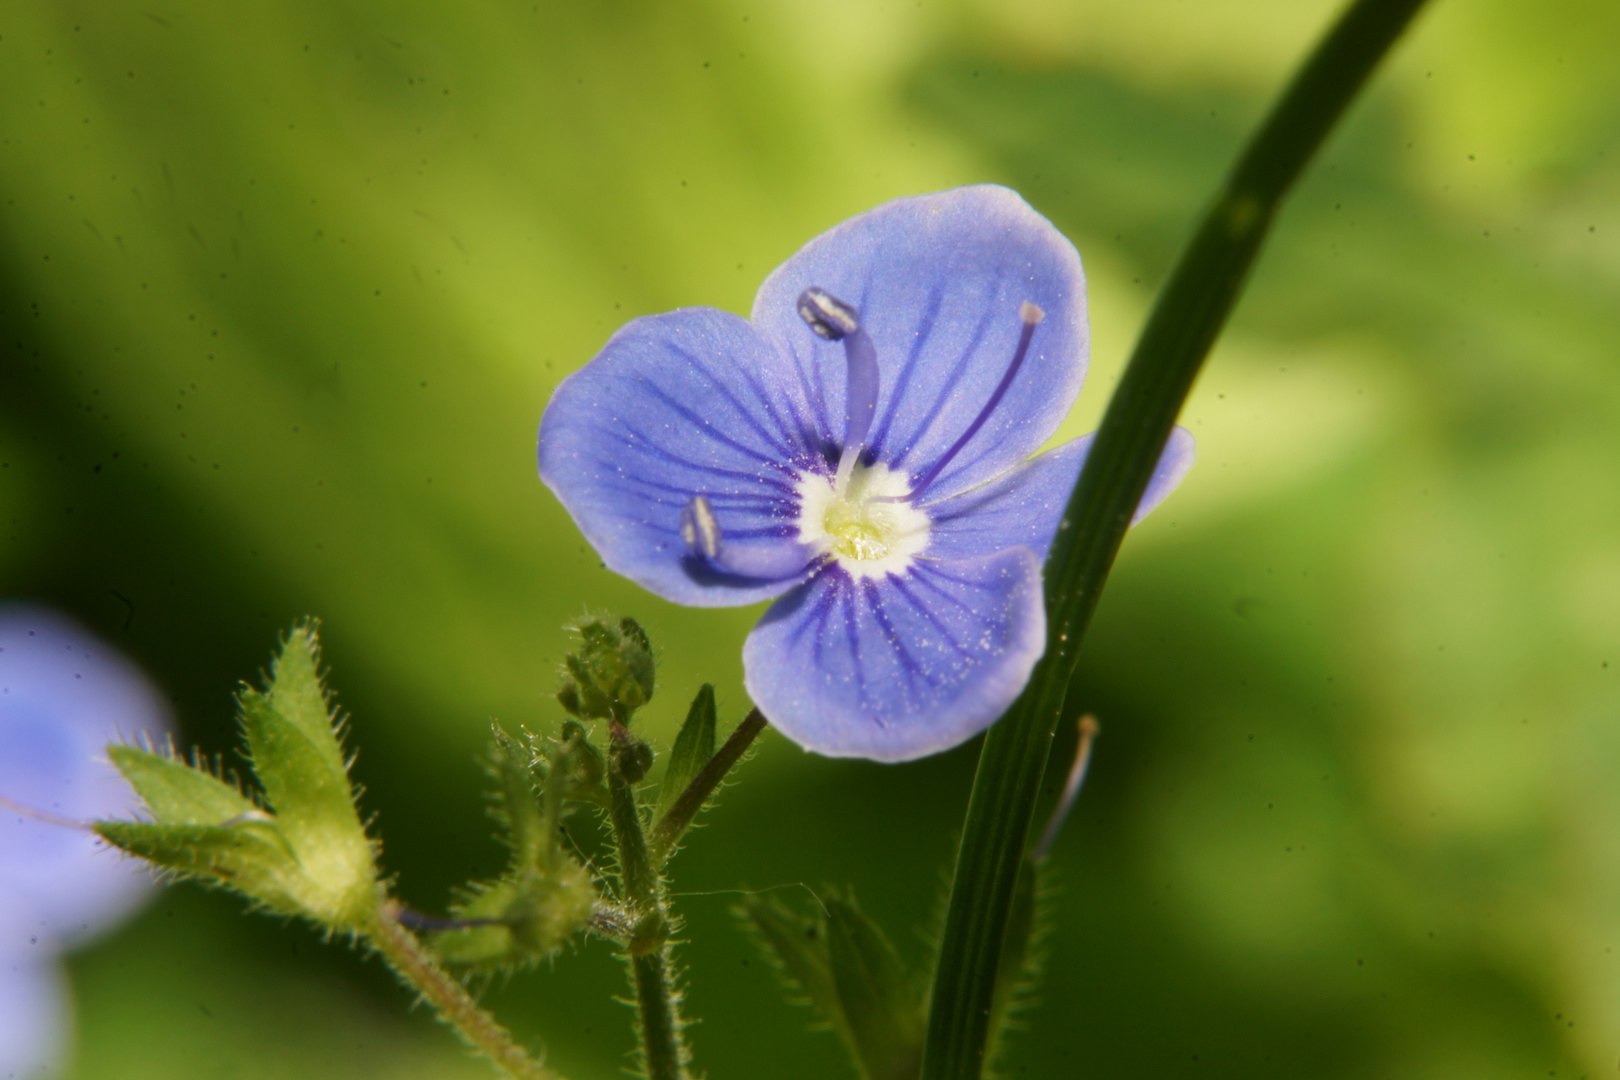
(250, 856)
(587, 767)
(176, 793)
(881, 1009)
(694, 746)
(534, 916)
(515, 803)
(636, 649)
(546, 895)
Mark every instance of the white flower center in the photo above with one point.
(865, 523)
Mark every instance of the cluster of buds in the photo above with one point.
(612, 674)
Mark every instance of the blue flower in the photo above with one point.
(860, 449)
(63, 698)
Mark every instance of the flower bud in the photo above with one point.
(632, 759)
(612, 674)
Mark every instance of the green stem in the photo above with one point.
(1187, 316)
(690, 801)
(417, 969)
(663, 1049)
(664, 1053)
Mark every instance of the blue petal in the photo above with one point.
(898, 667)
(1025, 505)
(33, 1014)
(66, 697)
(695, 402)
(938, 281)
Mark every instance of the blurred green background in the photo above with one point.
(284, 287)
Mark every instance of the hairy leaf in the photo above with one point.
(884, 1016)
(250, 857)
(797, 946)
(177, 793)
(694, 746)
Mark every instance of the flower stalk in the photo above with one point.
(1182, 327)
(658, 1019)
(417, 969)
(668, 831)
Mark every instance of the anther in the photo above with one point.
(776, 561)
(699, 529)
(827, 315)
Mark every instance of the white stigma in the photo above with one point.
(863, 524)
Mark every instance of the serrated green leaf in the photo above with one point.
(312, 804)
(250, 857)
(884, 1016)
(177, 793)
(297, 692)
(797, 946)
(309, 857)
(295, 749)
(694, 746)
(298, 760)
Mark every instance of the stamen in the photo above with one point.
(43, 815)
(1031, 316)
(777, 561)
(835, 320)
(1071, 789)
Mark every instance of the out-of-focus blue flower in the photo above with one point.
(860, 449)
(63, 698)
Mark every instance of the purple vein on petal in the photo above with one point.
(935, 299)
(800, 429)
(772, 439)
(639, 437)
(706, 428)
(900, 584)
(914, 670)
(945, 594)
(814, 389)
(934, 568)
(852, 628)
(652, 450)
(736, 500)
(822, 598)
(948, 388)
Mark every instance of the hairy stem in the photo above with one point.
(663, 1049)
(417, 969)
(1186, 318)
(658, 1019)
(689, 802)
